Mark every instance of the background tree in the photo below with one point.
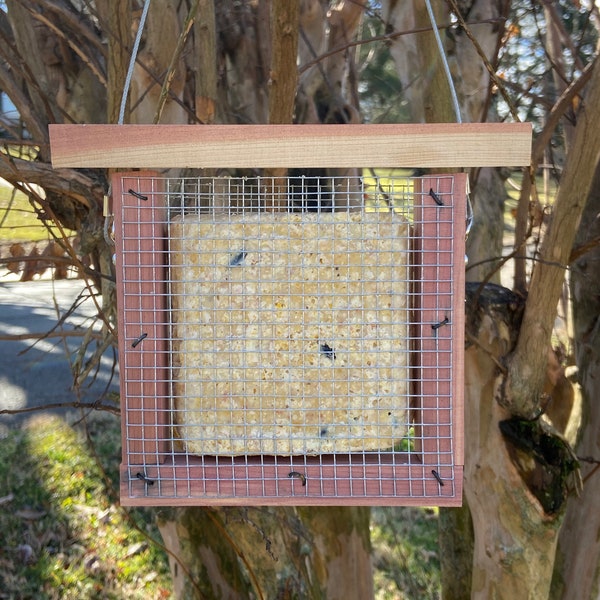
(58, 53)
(494, 459)
(202, 61)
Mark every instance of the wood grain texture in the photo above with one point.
(343, 481)
(447, 145)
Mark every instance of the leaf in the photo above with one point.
(30, 514)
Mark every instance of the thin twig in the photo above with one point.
(19, 337)
(591, 473)
(382, 38)
(489, 68)
(166, 86)
(75, 404)
(473, 340)
(94, 68)
(582, 249)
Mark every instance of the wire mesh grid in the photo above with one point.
(291, 339)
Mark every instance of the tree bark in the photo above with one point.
(161, 35)
(515, 538)
(486, 238)
(283, 83)
(455, 550)
(577, 574)
(521, 390)
(237, 553)
(117, 13)
(205, 59)
(283, 80)
(243, 68)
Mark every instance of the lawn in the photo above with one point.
(18, 220)
(64, 535)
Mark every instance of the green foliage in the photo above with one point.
(63, 535)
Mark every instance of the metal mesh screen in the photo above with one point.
(291, 339)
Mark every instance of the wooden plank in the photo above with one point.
(441, 237)
(447, 145)
(333, 482)
(142, 309)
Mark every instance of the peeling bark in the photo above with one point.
(238, 553)
(514, 538)
(283, 80)
(161, 34)
(578, 561)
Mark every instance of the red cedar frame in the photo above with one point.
(144, 422)
(153, 475)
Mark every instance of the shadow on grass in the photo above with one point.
(62, 533)
(63, 536)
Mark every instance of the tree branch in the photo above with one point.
(541, 141)
(521, 390)
(91, 405)
(382, 38)
(68, 182)
(166, 86)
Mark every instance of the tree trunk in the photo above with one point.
(455, 550)
(578, 561)
(266, 553)
(117, 14)
(283, 80)
(486, 238)
(161, 33)
(243, 61)
(521, 389)
(204, 63)
(515, 536)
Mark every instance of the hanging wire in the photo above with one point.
(438, 39)
(132, 60)
(440, 46)
(108, 229)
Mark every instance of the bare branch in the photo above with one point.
(68, 182)
(541, 141)
(521, 391)
(20, 337)
(88, 60)
(164, 92)
(383, 38)
(85, 405)
(489, 68)
(13, 89)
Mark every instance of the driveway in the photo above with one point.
(38, 374)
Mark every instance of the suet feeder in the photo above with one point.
(286, 337)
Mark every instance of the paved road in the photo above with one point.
(40, 375)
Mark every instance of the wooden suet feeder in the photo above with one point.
(288, 338)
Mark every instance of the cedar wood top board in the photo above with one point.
(439, 145)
